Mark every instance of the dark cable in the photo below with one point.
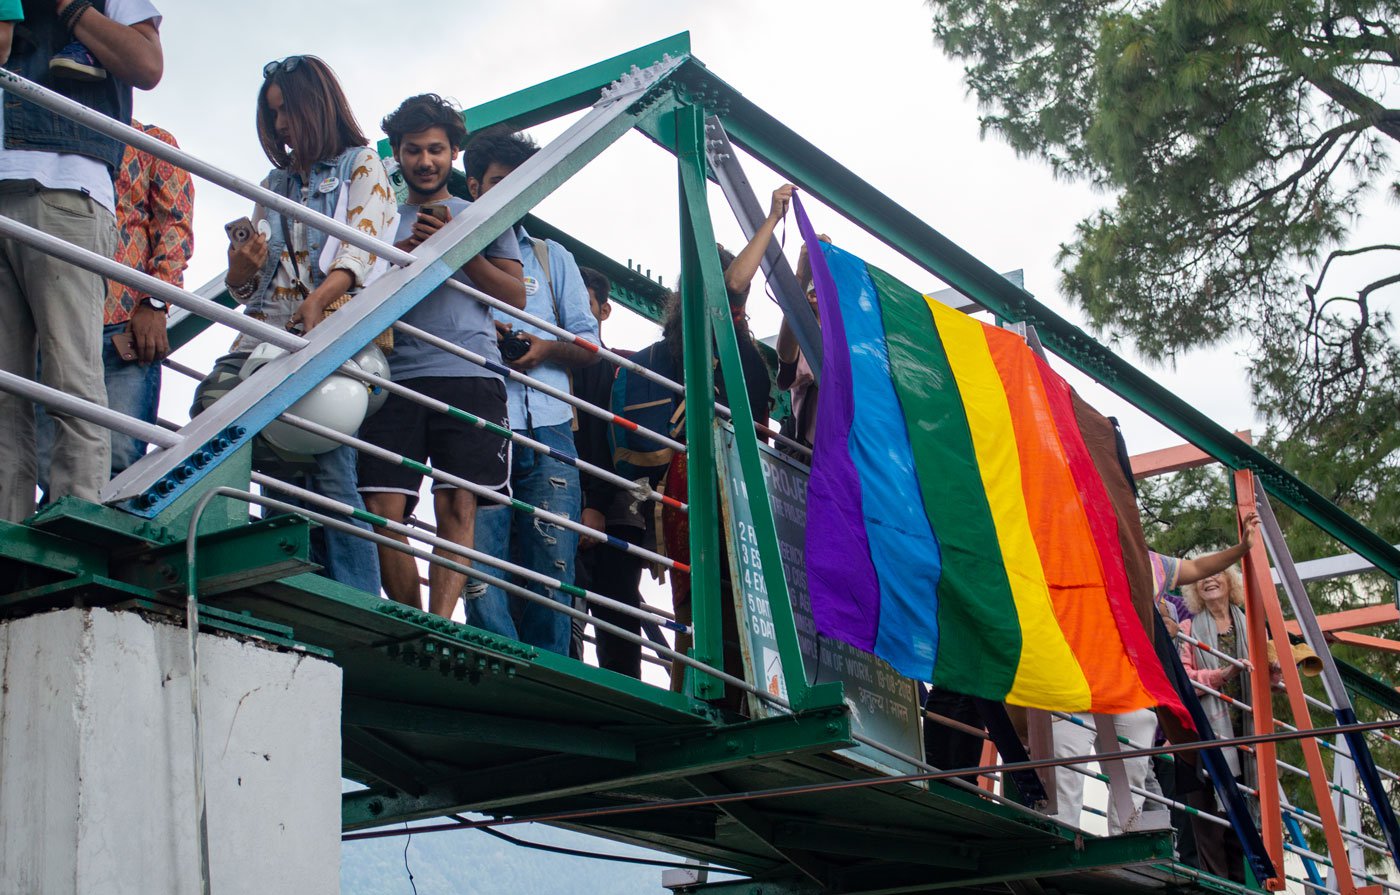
(407, 842)
(580, 853)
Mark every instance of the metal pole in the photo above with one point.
(730, 174)
(698, 335)
(701, 233)
(1332, 684)
(1256, 576)
(468, 553)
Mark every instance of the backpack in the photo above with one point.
(648, 404)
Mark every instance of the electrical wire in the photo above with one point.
(407, 869)
(581, 853)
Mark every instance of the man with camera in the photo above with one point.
(426, 133)
(58, 179)
(554, 292)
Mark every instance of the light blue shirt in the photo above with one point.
(529, 407)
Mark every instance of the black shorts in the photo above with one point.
(447, 443)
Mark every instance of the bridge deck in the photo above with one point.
(440, 718)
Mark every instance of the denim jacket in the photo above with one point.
(30, 127)
(319, 193)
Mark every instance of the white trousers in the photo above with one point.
(1073, 739)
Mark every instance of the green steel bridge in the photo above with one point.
(441, 719)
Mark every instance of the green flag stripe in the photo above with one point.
(979, 634)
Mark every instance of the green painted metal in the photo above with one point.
(702, 234)
(85, 589)
(222, 513)
(227, 560)
(800, 854)
(1013, 863)
(1361, 684)
(180, 334)
(571, 92)
(368, 750)
(495, 728)
(243, 624)
(630, 288)
(100, 525)
(1038, 864)
(673, 755)
(866, 841)
(24, 545)
(855, 199)
(697, 328)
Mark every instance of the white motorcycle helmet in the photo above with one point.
(338, 402)
(372, 360)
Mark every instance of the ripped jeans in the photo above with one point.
(531, 542)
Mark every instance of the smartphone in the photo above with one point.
(435, 211)
(239, 231)
(126, 349)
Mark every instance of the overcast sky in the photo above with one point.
(871, 89)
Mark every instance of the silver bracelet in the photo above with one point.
(245, 291)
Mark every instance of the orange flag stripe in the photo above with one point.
(1062, 534)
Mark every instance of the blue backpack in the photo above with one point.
(649, 404)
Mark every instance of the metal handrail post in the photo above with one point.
(1259, 588)
(697, 327)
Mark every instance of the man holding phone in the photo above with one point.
(154, 211)
(426, 133)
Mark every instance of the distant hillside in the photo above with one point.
(469, 862)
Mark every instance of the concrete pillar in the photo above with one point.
(96, 785)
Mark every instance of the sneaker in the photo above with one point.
(76, 63)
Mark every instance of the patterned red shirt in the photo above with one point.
(155, 206)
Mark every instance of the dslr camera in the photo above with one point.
(513, 346)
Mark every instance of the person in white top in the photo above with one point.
(56, 176)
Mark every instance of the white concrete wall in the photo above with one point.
(96, 786)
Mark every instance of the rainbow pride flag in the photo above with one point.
(959, 524)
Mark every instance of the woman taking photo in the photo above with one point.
(290, 274)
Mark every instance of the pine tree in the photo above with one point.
(1237, 141)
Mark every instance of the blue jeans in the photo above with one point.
(132, 388)
(533, 543)
(346, 558)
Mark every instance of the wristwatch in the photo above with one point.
(155, 304)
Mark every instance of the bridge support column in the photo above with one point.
(96, 760)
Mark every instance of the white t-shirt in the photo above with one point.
(67, 170)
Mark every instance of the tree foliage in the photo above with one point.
(1239, 138)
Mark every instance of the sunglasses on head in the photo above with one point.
(287, 65)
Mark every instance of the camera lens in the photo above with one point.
(513, 347)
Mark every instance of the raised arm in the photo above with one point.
(1193, 570)
(740, 274)
(131, 53)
